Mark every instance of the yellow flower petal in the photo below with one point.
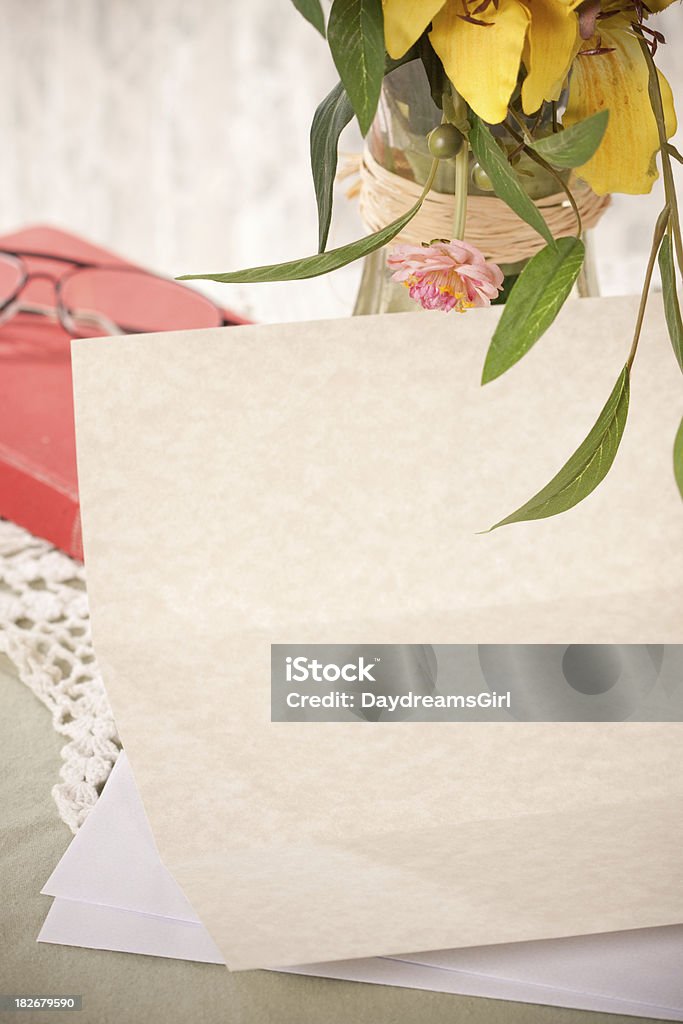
(482, 61)
(405, 21)
(551, 44)
(617, 81)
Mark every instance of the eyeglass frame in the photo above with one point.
(75, 266)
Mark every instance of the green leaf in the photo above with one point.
(504, 180)
(436, 76)
(313, 12)
(356, 36)
(533, 304)
(329, 121)
(678, 458)
(573, 146)
(314, 266)
(587, 467)
(672, 310)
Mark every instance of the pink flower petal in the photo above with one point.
(446, 275)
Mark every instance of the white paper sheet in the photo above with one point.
(113, 860)
(84, 924)
(74, 923)
(113, 892)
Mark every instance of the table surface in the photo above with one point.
(120, 986)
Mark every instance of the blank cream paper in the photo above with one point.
(325, 483)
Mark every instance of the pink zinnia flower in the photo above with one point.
(446, 275)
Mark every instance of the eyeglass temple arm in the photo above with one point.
(84, 315)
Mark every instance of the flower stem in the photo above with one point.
(461, 163)
(667, 173)
(523, 128)
(660, 228)
(553, 109)
(430, 180)
(533, 155)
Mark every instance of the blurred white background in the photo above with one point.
(177, 134)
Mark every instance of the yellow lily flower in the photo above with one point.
(405, 21)
(482, 46)
(617, 81)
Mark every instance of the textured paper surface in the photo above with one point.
(323, 483)
(113, 892)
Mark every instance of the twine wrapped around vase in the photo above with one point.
(491, 225)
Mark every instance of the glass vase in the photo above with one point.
(397, 141)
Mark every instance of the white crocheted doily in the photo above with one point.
(45, 632)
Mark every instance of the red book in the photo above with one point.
(38, 486)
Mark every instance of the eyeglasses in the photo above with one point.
(88, 299)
